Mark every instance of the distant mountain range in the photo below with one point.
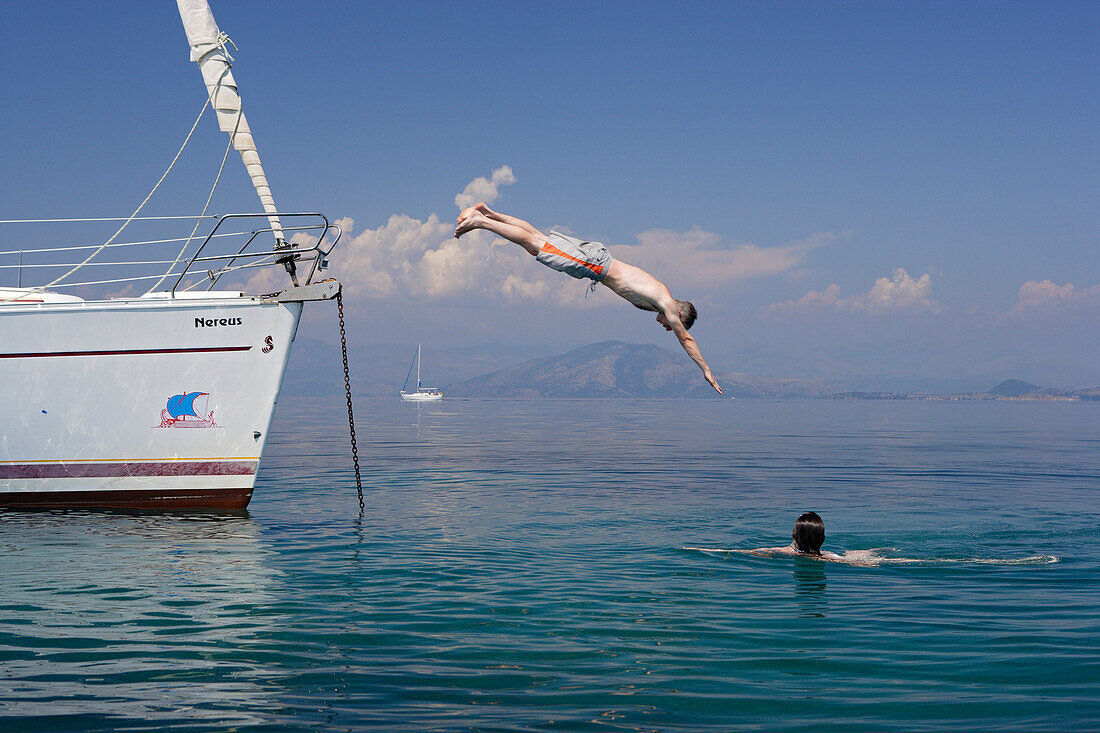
(616, 369)
(606, 369)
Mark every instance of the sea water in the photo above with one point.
(525, 566)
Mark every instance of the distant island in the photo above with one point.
(617, 369)
(1010, 389)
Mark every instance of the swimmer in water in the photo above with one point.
(809, 534)
(806, 539)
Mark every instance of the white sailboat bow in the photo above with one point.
(113, 399)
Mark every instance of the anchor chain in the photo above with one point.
(347, 388)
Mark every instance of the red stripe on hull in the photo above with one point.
(136, 499)
(124, 352)
(127, 468)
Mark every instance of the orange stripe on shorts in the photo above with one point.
(598, 269)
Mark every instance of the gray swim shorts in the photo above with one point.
(575, 257)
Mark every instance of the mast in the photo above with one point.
(208, 51)
(418, 367)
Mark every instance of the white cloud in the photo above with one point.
(813, 300)
(517, 289)
(899, 292)
(410, 258)
(422, 259)
(695, 258)
(1046, 294)
(485, 189)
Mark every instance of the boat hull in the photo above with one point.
(420, 397)
(142, 499)
(84, 389)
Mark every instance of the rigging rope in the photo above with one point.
(140, 206)
(209, 103)
(100, 218)
(209, 198)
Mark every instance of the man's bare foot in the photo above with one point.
(479, 208)
(469, 220)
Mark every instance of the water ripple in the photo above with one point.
(497, 581)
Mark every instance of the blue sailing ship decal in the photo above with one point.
(187, 410)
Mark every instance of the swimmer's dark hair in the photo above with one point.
(687, 313)
(809, 533)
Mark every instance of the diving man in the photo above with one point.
(592, 260)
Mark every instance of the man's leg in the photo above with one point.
(506, 219)
(511, 228)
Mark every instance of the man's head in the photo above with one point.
(687, 315)
(809, 533)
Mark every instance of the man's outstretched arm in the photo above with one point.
(672, 315)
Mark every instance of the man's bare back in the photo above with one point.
(631, 283)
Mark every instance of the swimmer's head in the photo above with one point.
(809, 533)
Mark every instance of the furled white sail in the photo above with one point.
(208, 50)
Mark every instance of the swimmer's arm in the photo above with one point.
(770, 551)
(859, 557)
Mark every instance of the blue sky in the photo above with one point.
(777, 162)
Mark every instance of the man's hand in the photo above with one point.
(711, 380)
(669, 317)
(692, 348)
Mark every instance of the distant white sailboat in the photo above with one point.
(422, 394)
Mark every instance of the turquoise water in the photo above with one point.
(521, 566)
